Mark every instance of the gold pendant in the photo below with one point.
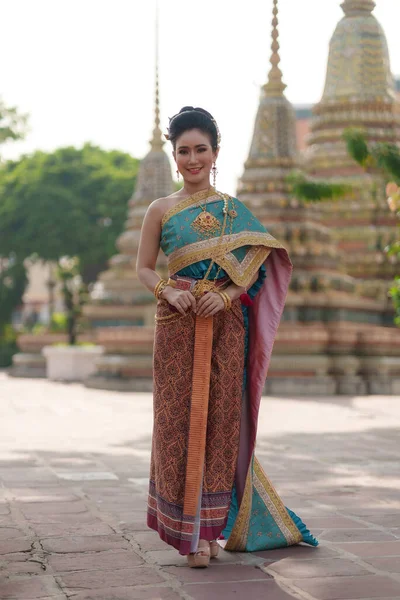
(203, 286)
(205, 222)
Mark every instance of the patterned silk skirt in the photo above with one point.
(197, 410)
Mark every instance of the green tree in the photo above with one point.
(13, 125)
(13, 281)
(71, 202)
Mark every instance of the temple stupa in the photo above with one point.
(359, 92)
(122, 310)
(323, 343)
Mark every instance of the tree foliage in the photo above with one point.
(383, 157)
(69, 202)
(13, 125)
(314, 191)
(13, 281)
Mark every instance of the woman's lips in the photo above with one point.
(194, 171)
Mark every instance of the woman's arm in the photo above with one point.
(235, 291)
(149, 247)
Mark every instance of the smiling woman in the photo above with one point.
(198, 147)
(216, 320)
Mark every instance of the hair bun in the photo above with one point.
(186, 109)
(205, 112)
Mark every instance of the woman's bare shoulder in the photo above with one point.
(161, 205)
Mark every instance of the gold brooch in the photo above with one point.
(205, 222)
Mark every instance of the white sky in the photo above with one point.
(84, 69)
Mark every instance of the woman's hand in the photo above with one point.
(180, 299)
(210, 304)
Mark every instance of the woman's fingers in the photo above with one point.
(192, 302)
(210, 306)
(204, 305)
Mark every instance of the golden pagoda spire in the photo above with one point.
(352, 8)
(156, 141)
(275, 85)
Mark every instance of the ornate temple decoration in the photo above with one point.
(274, 140)
(359, 91)
(264, 187)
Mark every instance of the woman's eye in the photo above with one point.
(182, 151)
(202, 149)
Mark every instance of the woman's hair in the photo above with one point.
(193, 118)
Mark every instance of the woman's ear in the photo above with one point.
(174, 155)
(216, 154)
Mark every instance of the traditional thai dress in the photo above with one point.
(209, 373)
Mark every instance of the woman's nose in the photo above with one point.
(192, 158)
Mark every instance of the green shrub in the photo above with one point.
(8, 346)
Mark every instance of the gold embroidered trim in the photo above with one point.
(240, 273)
(193, 199)
(237, 540)
(275, 505)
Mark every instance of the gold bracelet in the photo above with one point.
(226, 298)
(229, 301)
(159, 288)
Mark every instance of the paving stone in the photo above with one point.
(384, 520)
(166, 558)
(28, 567)
(133, 526)
(29, 589)
(215, 572)
(20, 545)
(357, 535)
(59, 508)
(293, 568)
(10, 533)
(33, 495)
(300, 552)
(130, 593)
(366, 549)
(34, 474)
(94, 561)
(65, 529)
(90, 580)
(334, 523)
(391, 564)
(84, 543)
(149, 540)
(249, 590)
(72, 475)
(74, 518)
(341, 588)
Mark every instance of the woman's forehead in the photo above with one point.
(193, 137)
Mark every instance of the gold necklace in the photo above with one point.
(206, 224)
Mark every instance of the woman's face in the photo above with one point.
(194, 156)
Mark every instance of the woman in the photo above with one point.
(216, 320)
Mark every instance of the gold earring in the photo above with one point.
(214, 170)
(177, 174)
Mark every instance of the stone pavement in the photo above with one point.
(73, 472)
